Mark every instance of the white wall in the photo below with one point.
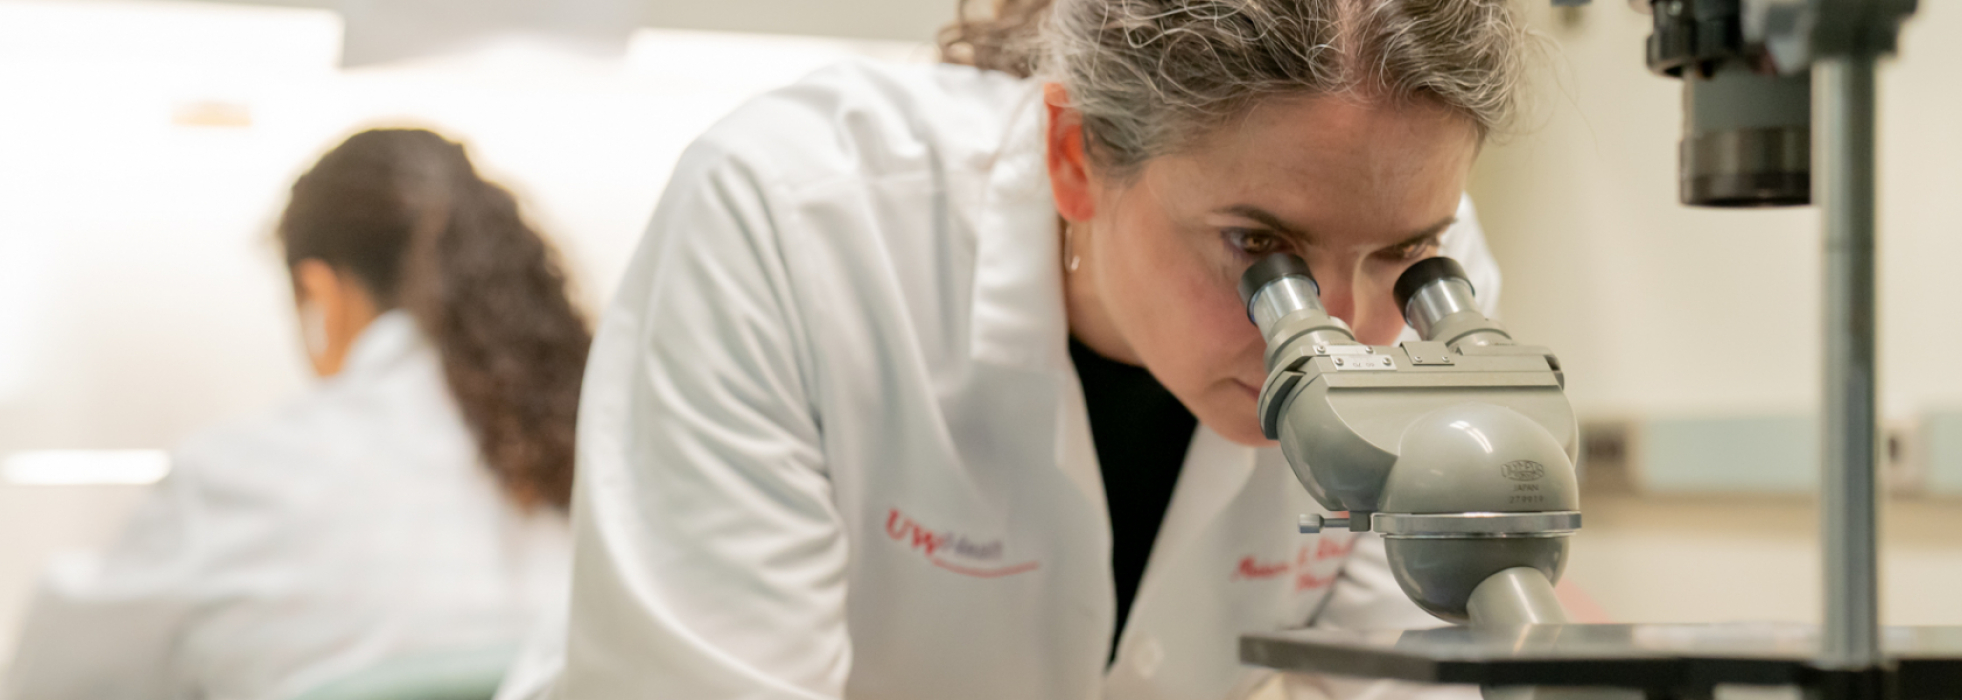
(892, 20)
(1657, 307)
(1754, 559)
(1660, 310)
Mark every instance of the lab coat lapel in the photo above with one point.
(1019, 320)
(1215, 471)
(1020, 331)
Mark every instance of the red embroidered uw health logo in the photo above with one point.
(952, 551)
(1251, 569)
(1309, 568)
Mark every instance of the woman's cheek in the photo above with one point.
(1198, 289)
(1236, 348)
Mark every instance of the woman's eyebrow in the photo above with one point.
(1268, 219)
(1431, 231)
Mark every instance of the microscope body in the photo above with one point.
(1457, 449)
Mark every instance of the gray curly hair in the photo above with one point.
(1151, 76)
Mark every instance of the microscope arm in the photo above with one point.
(1517, 596)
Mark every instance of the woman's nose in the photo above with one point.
(1336, 282)
(1355, 299)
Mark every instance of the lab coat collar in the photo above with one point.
(1019, 318)
(387, 339)
(1019, 321)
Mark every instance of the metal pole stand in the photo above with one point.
(1843, 93)
(1843, 39)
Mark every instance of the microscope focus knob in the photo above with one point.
(1314, 524)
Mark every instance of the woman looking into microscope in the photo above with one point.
(934, 382)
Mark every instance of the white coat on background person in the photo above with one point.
(409, 510)
(288, 550)
(832, 444)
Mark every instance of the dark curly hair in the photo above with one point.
(406, 214)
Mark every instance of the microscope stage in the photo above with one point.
(1928, 660)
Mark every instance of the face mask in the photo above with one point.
(313, 329)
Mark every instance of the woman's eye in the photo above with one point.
(1252, 243)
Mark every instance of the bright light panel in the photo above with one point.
(85, 467)
(751, 62)
(268, 41)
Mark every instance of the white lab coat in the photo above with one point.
(286, 551)
(832, 444)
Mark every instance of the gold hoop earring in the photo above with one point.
(1073, 260)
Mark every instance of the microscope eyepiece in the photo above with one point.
(1269, 268)
(1277, 286)
(1435, 289)
(1425, 272)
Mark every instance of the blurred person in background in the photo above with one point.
(413, 503)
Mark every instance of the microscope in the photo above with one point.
(1459, 449)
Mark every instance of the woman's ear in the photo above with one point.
(1069, 165)
(334, 309)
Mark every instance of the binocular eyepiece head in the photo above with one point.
(1281, 284)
